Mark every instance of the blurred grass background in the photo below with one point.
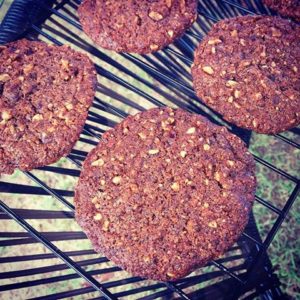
(284, 251)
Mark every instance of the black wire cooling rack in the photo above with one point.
(43, 250)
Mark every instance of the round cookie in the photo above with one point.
(247, 69)
(136, 26)
(287, 8)
(45, 94)
(164, 192)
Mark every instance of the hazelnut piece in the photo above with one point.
(116, 180)
(155, 16)
(98, 163)
(97, 217)
(206, 147)
(191, 130)
(209, 70)
(213, 224)
(153, 151)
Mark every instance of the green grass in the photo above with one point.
(284, 251)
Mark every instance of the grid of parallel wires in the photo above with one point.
(56, 260)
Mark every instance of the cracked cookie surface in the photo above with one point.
(45, 94)
(247, 69)
(136, 26)
(165, 191)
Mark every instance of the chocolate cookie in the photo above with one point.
(247, 69)
(164, 192)
(136, 26)
(287, 8)
(45, 94)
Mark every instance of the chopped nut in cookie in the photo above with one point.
(105, 225)
(234, 33)
(217, 176)
(155, 16)
(170, 33)
(64, 63)
(191, 130)
(237, 93)
(4, 77)
(37, 117)
(6, 115)
(170, 274)
(169, 3)
(175, 186)
(231, 83)
(98, 217)
(153, 151)
(209, 70)
(69, 106)
(99, 163)
(142, 135)
(206, 147)
(27, 69)
(154, 47)
(146, 259)
(183, 153)
(230, 163)
(214, 42)
(213, 224)
(116, 180)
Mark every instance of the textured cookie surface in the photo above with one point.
(45, 94)
(247, 69)
(165, 191)
(141, 26)
(287, 8)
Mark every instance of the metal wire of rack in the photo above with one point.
(127, 83)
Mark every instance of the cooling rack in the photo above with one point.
(57, 260)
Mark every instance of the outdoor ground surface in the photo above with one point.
(285, 249)
(284, 252)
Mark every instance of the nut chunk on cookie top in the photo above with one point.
(247, 69)
(287, 8)
(165, 191)
(45, 94)
(136, 26)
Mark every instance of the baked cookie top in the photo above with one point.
(45, 94)
(287, 8)
(247, 69)
(165, 191)
(141, 26)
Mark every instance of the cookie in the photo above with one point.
(287, 8)
(136, 26)
(247, 69)
(45, 94)
(164, 192)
